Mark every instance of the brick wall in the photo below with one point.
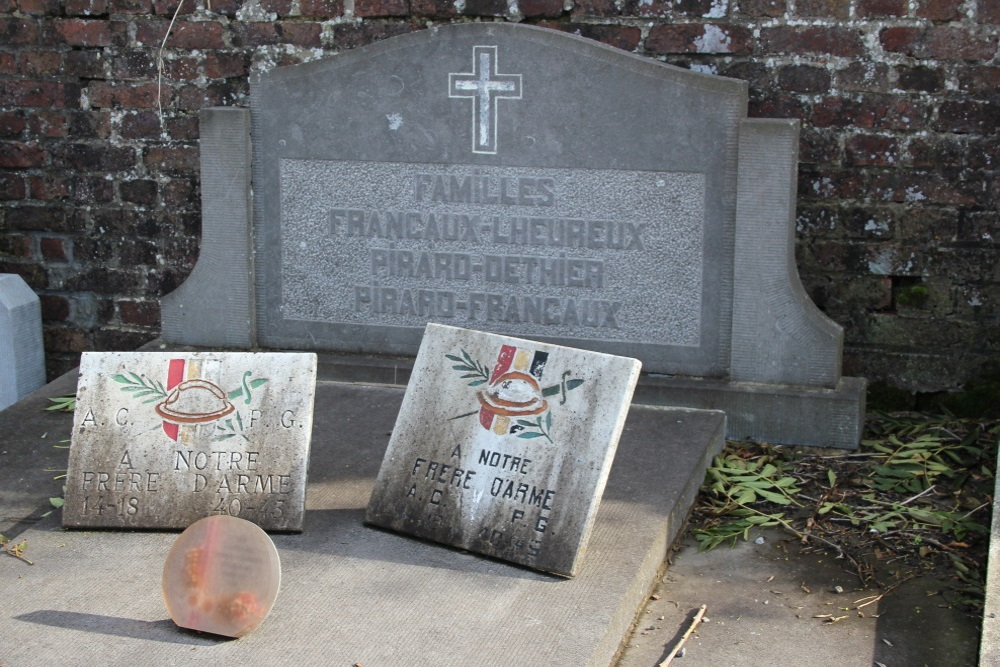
(898, 208)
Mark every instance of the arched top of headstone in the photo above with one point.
(536, 183)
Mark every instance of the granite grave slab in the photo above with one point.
(162, 439)
(470, 175)
(503, 446)
(353, 594)
(22, 354)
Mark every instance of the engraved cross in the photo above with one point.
(485, 86)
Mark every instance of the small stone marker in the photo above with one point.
(162, 439)
(221, 576)
(502, 446)
(22, 354)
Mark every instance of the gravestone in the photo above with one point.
(521, 181)
(503, 446)
(162, 439)
(22, 354)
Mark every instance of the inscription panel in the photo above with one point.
(607, 255)
(502, 446)
(161, 440)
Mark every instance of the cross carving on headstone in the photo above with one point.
(485, 86)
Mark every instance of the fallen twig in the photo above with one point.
(687, 633)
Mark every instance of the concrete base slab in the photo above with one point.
(353, 594)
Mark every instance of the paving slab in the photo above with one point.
(354, 594)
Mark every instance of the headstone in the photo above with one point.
(162, 439)
(522, 181)
(22, 353)
(221, 576)
(503, 446)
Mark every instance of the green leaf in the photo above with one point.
(258, 382)
(476, 383)
(774, 497)
(831, 476)
(121, 379)
(56, 502)
(530, 434)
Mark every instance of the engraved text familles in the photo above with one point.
(535, 269)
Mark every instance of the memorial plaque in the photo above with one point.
(483, 185)
(221, 576)
(502, 446)
(162, 439)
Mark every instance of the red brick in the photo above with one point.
(54, 308)
(11, 186)
(18, 31)
(279, 7)
(182, 127)
(86, 32)
(39, 7)
(93, 188)
(928, 187)
(140, 125)
(936, 150)
(171, 159)
(130, 6)
(87, 64)
(170, 7)
(7, 6)
(16, 155)
(977, 78)
(108, 95)
(988, 11)
(941, 42)
(53, 249)
(621, 37)
(768, 8)
(255, 34)
(64, 339)
(179, 193)
(184, 35)
(225, 65)
(86, 7)
(804, 79)
(834, 41)
(321, 9)
(134, 64)
(837, 9)
(39, 63)
(659, 8)
(12, 123)
(871, 150)
(33, 93)
(94, 157)
(301, 34)
(864, 75)
(182, 68)
(17, 246)
(89, 124)
(925, 79)
(37, 219)
(47, 124)
(8, 63)
(141, 192)
(50, 186)
(588, 8)
(697, 38)
(940, 10)
(882, 8)
(984, 153)
(218, 93)
(141, 313)
(777, 105)
(373, 8)
(968, 116)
